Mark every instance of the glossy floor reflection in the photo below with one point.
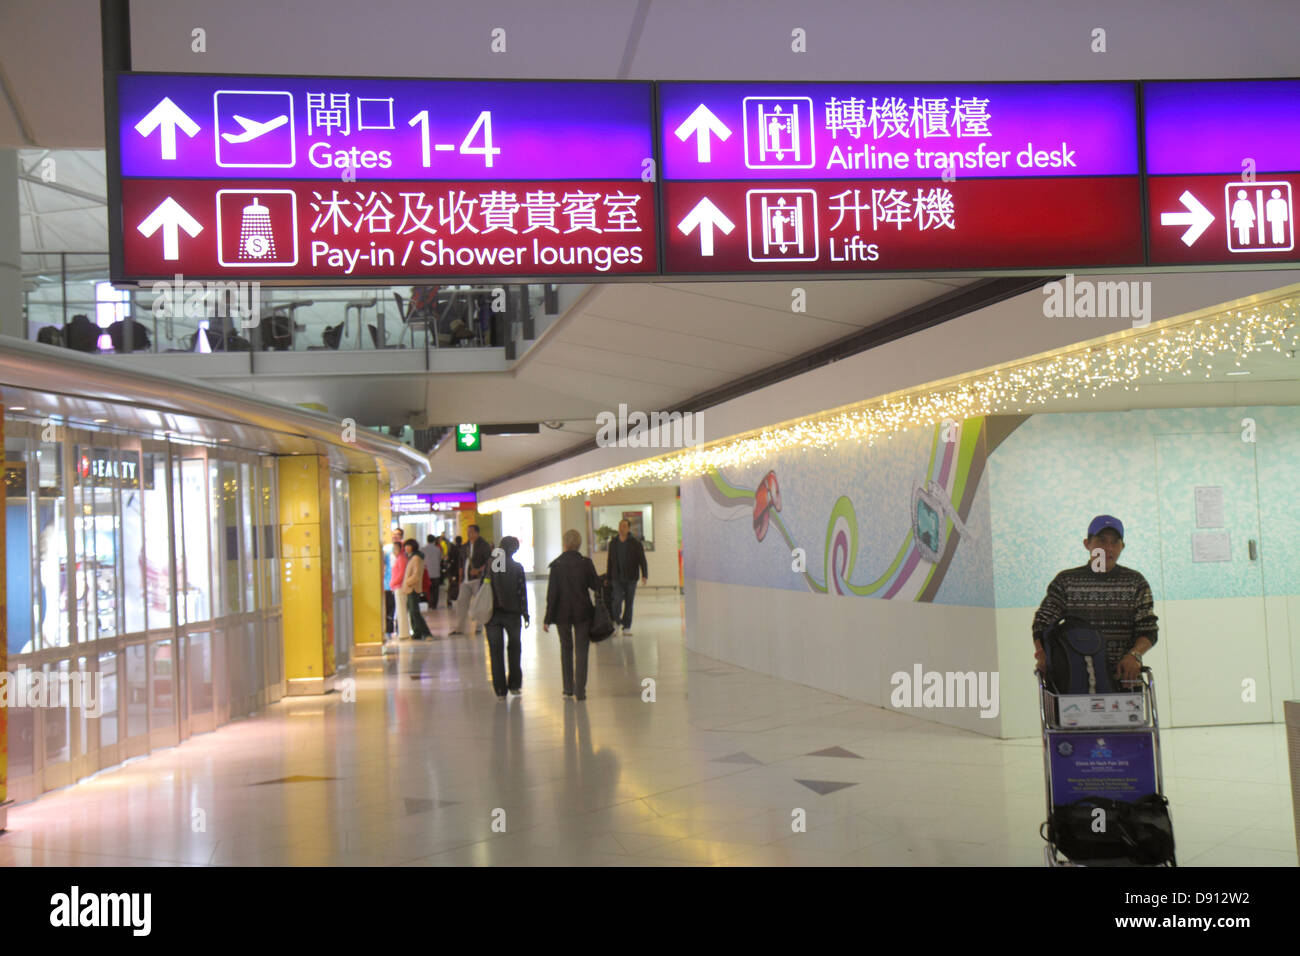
(426, 767)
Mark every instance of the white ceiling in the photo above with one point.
(649, 345)
(50, 49)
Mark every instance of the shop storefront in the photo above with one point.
(102, 528)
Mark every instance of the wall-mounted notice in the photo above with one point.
(856, 177)
(350, 178)
(1210, 547)
(1209, 506)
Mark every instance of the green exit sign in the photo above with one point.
(468, 438)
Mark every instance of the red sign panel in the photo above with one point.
(1223, 219)
(312, 229)
(901, 224)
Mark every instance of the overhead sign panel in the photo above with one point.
(844, 177)
(340, 178)
(1223, 170)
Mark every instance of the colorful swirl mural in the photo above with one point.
(939, 504)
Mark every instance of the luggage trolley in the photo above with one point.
(1100, 726)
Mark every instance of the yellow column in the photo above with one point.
(307, 594)
(367, 568)
(385, 503)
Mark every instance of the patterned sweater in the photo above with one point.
(1117, 603)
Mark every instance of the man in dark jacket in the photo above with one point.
(454, 566)
(433, 567)
(626, 563)
(509, 608)
(474, 557)
(569, 608)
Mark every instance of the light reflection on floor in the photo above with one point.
(427, 768)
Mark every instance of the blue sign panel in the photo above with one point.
(1120, 766)
(266, 127)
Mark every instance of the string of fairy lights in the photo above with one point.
(1166, 352)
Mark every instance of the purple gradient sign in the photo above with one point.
(231, 127)
(780, 131)
(422, 502)
(1201, 127)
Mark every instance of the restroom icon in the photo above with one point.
(1260, 216)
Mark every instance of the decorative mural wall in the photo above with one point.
(793, 522)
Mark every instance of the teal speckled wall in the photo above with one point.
(1054, 472)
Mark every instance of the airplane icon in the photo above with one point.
(253, 129)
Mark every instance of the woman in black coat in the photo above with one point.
(569, 608)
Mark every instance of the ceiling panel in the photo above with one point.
(617, 336)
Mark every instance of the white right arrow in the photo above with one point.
(701, 123)
(706, 217)
(1197, 217)
(172, 217)
(169, 116)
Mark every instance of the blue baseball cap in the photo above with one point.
(1102, 522)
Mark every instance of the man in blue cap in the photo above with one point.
(1116, 601)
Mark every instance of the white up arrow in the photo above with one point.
(169, 117)
(706, 217)
(172, 217)
(701, 123)
(1197, 217)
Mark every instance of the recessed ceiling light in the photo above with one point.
(17, 408)
(101, 421)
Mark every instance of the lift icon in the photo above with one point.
(782, 225)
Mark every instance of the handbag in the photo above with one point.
(1137, 833)
(483, 604)
(602, 625)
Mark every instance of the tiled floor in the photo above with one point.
(427, 768)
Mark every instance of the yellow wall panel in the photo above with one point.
(299, 490)
(367, 598)
(367, 592)
(327, 568)
(301, 595)
(300, 540)
(363, 489)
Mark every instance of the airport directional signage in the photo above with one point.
(333, 178)
(469, 438)
(327, 180)
(1223, 170)
(890, 177)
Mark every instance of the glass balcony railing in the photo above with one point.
(69, 301)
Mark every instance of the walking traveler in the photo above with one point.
(509, 613)
(569, 608)
(474, 557)
(626, 563)
(412, 585)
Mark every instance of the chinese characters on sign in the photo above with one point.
(352, 178)
(856, 177)
(337, 179)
